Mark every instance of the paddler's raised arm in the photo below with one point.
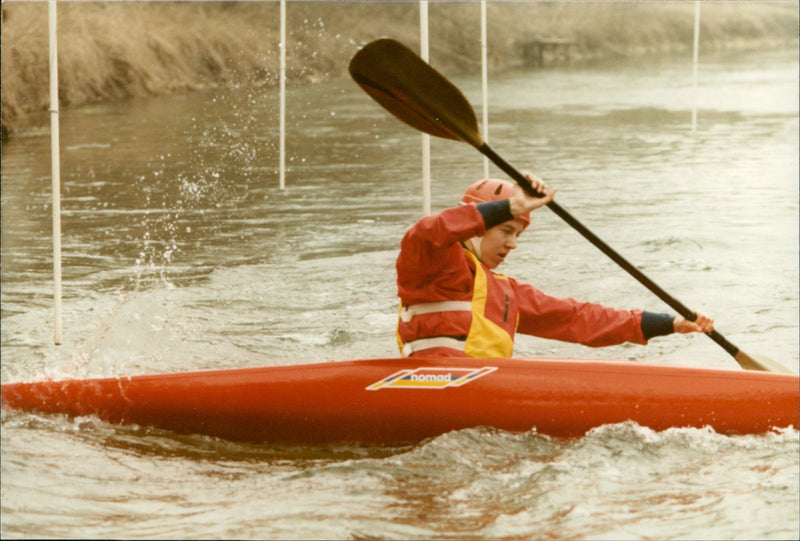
(431, 248)
(521, 203)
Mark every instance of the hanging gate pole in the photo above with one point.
(426, 139)
(485, 83)
(695, 53)
(56, 174)
(282, 77)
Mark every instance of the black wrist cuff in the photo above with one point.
(495, 212)
(656, 324)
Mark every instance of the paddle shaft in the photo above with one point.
(674, 303)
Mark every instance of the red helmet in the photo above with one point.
(492, 189)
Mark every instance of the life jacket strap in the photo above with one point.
(407, 313)
(435, 342)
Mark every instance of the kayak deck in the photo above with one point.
(391, 401)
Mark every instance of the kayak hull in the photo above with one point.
(393, 401)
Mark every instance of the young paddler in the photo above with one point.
(454, 304)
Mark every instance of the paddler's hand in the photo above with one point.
(522, 203)
(703, 323)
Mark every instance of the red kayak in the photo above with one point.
(391, 401)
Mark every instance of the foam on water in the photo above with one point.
(620, 481)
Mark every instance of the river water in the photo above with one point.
(181, 253)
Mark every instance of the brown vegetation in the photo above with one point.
(111, 50)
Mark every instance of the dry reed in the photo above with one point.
(110, 50)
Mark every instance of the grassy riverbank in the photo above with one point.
(112, 50)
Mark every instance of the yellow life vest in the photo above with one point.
(485, 338)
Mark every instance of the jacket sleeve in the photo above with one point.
(432, 265)
(574, 321)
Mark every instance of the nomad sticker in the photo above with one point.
(431, 378)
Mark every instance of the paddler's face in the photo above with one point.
(498, 242)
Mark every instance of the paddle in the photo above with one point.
(413, 91)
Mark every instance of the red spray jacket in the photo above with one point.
(451, 304)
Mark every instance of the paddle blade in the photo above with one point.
(410, 89)
(760, 362)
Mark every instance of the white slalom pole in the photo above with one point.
(485, 84)
(426, 139)
(282, 76)
(56, 173)
(694, 62)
